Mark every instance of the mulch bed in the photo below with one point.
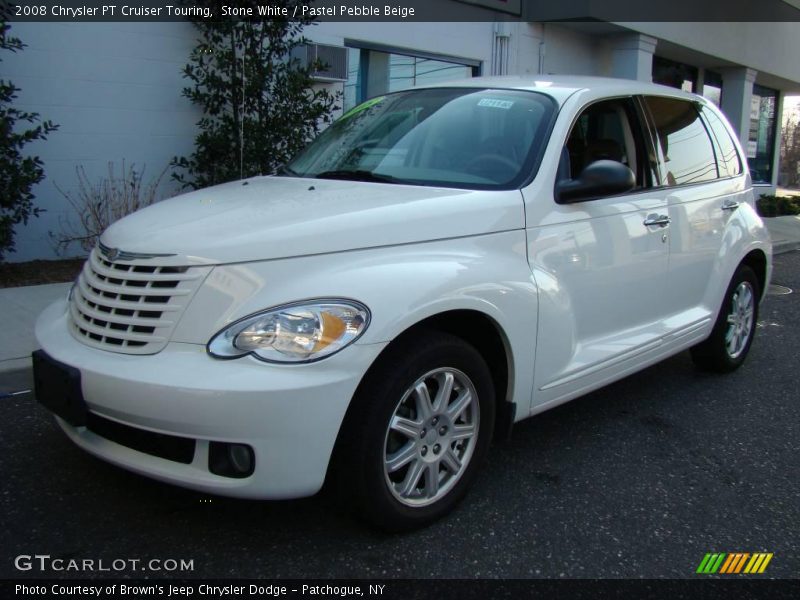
(38, 272)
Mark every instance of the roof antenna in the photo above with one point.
(241, 120)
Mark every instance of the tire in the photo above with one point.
(397, 460)
(729, 343)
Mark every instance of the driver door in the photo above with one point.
(600, 264)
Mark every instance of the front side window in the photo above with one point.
(606, 130)
(685, 146)
(471, 138)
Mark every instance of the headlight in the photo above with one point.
(292, 333)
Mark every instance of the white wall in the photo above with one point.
(568, 52)
(115, 91)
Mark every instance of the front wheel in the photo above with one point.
(420, 424)
(730, 340)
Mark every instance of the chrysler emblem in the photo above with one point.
(113, 254)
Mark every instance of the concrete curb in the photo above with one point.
(15, 364)
(783, 247)
(785, 233)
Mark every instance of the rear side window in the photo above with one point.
(728, 160)
(684, 143)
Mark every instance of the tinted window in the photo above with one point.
(688, 154)
(472, 138)
(728, 158)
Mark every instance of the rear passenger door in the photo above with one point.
(701, 174)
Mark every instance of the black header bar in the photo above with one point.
(406, 10)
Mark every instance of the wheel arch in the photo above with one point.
(757, 260)
(485, 335)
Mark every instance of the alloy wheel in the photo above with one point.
(740, 319)
(431, 437)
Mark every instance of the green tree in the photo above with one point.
(18, 172)
(259, 105)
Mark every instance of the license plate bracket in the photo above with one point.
(58, 388)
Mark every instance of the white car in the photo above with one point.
(437, 265)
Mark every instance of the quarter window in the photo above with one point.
(728, 158)
(684, 144)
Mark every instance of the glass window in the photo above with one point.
(471, 138)
(712, 87)
(674, 74)
(353, 87)
(427, 71)
(384, 72)
(728, 159)
(685, 146)
(402, 70)
(408, 71)
(761, 137)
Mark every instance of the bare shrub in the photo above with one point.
(96, 205)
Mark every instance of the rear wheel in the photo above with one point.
(729, 343)
(420, 425)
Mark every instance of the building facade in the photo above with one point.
(115, 88)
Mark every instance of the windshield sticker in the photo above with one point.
(360, 107)
(493, 103)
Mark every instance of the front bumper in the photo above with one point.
(289, 414)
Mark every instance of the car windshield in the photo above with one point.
(468, 138)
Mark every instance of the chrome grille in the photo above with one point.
(130, 307)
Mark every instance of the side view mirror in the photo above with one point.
(599, 179)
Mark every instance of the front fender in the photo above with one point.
(401, 285)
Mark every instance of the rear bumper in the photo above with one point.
(289, 414)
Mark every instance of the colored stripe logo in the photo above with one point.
(734, 563)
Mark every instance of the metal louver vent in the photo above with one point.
(331, 59)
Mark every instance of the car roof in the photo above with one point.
(562, 87)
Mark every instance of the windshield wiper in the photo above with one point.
(356, 175)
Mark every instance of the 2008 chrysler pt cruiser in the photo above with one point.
(438, 264)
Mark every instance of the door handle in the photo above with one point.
(730, 204)
(657, 220)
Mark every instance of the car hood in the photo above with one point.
(280, 217)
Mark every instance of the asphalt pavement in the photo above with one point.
(638, 480)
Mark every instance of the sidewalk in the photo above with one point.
(20, 306)
(785, 233)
